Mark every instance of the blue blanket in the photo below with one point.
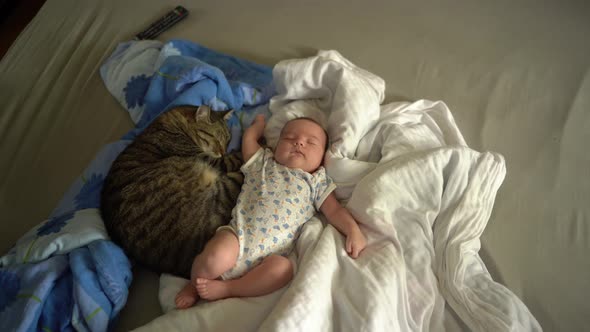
(65, 274)
(149, 77)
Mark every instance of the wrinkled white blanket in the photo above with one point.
(422, 197)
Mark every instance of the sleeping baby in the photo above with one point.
(281, 191)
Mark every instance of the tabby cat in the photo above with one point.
(171, 188)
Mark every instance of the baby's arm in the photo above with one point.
(339, 217)
(251, 136)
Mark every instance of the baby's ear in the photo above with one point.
(203, 113)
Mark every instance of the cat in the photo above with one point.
(171, 188)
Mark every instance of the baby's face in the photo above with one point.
(301, 145)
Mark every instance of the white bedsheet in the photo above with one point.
(422, 197)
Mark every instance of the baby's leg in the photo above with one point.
(272, 274)
(220, 254)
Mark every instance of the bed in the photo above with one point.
(514, 76)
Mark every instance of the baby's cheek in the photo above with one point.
(318, 155)
(280, 149)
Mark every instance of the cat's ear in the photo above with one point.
(221, 115)
(203, 113)
(227, 114)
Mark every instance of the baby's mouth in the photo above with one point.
(297, 153)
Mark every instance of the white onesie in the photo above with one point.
(274, 203)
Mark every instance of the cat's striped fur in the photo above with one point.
(169, 190)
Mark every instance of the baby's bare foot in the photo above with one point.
(212, 289)
(186, 297)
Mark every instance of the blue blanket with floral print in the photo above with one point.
(65, 274)
(149, 77)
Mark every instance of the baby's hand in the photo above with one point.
(259, 121)
(256, 129)
(355, 243)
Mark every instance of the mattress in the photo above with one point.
(514, 74)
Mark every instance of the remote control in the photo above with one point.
(163, 23)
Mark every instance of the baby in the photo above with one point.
(280, 193)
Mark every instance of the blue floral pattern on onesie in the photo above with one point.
(273, 205)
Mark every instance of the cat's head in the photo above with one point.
(211, 132)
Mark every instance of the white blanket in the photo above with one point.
(422, 197)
